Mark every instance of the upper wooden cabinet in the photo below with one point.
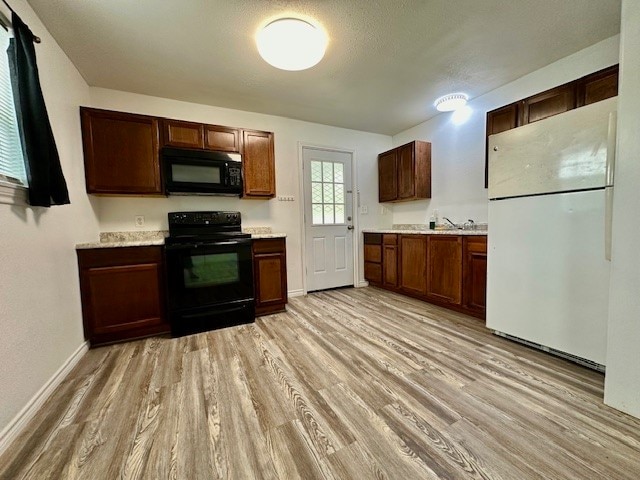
(121, 152)
(176, 133)
(222, 139)
(444, 268)
(502, 119)
(388, 176)
(404, 173)
(258, 164)
(599, 86)
(549, 103)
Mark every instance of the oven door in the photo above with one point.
(209, 273)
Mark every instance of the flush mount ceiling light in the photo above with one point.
(451, 102)
(291, 44)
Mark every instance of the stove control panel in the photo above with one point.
(204, 218)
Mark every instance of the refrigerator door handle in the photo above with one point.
(608, 218)
(611, 149)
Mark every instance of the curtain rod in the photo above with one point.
(35, 39)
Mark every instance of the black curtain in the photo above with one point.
(47, 185)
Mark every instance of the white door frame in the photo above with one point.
(354, 209)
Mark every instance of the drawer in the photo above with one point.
(268, 245)
(372, 238)
(373, 253)
(109, 257)
(390, 239)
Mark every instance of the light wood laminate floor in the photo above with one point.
(348, 384)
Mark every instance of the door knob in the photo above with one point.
(349, 227)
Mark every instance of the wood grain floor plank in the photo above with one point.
(245, 455)
(355, 463)
(347, 384)
(373, 435)
(294, 455)
(433, 447)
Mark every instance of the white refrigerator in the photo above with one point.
(550, 192)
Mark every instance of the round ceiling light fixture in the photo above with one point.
(291, 44)
(453, 101)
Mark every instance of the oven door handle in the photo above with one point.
(187, 246)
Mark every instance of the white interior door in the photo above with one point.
(328, 210)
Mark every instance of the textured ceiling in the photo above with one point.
(386, 63)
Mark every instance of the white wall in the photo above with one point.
(458, 151)
(117, 214)
(40, 313)
(622, 383)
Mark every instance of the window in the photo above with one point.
(327, 193)
(11, 159)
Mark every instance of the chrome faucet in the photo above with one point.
(453, 224)
(469, 225)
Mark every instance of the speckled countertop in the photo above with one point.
(150, 237)
(423, 229)
(263, 232)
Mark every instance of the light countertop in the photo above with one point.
(150, 238)
(426, 232)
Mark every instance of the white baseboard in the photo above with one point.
(15, 426)
(295, 293)
(363, 283)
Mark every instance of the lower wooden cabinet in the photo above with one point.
(474, 291)
(390, 260)
(413, 264)
(444, 268)
(270, 275)
(373, 258)
(447, 270)
(122, 292)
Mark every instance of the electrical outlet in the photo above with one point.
(285, 198)
(364, 210)
(139, 221)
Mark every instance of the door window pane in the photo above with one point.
(327, 171)
(339, 193)
(338, 176)
(328, 214)
(316, 171)
(327, 193)
(339, 217)
(317, 214)
(316, 193)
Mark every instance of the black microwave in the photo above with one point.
(201, 172)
